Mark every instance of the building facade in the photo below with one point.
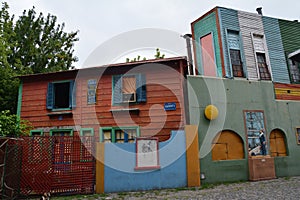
(248, 69)
(115, 104)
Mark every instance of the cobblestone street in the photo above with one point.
(281, 188)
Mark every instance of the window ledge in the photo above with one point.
(137, 110)
(60, 113)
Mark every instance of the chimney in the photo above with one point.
(188, 38)
(259, 10)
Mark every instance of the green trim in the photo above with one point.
(36, 131)
(86, 129)
(59, 130)
(20, 99)
(113, 132)
(64, 81)
(101, 137)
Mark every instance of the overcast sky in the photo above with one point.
(99, 20)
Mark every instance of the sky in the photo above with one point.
(100, 21)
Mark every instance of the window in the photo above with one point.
(119, 134)
(294, 71)
(235, 53)
(36, 146)
(86, 147)
(237, 67)
(61, 95)
(277, 143)
(62, 146)
(129, 88)
(263, 67)
(36, 133)
(91, 91)
(261, 56)
(254, 122)
(227, 146)
(298, 135)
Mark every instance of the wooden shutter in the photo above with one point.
(141, 88)
(72, 94)
(277, 143)
(219, 152)
(229, 146)
(233, 40)
(117, 89)
(50, 96)
(258, 43)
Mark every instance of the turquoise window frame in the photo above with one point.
(35, 148)
(113, 132)
(83, 147)
(62, 130)
(61, 147)
(41, 133)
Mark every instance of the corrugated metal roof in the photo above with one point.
(110, 65)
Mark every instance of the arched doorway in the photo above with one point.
(277, 143)
(227, 145)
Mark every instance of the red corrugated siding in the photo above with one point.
(162, 86)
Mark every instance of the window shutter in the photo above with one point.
(72, 94)
(50, 95)
(117, 89)
(141, 95)
(125, 137)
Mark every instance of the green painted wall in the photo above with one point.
(201, 28)
(290, 35)
(231, 97)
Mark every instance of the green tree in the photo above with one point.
(28, 45)
(11, 125)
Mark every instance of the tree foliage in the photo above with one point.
(11, 125)
(28, 45)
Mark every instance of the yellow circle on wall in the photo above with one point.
(211, 112)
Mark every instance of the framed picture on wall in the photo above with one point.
(147, 155)
(298, 135)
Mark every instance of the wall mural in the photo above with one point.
(255, 126)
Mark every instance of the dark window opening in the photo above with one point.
(61, 92)
(237, 66)
(295, 71)
(263, 67)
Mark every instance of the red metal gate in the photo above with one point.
(58, 164)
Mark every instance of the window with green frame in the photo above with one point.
(36, 144)
(86, 147)
(129, 88)
(36, 133)
(62, 146)
(61, 95)
(119, 134)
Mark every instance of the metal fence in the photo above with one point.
(57, 164)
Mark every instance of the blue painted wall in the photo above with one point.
(120, 161)
(276, 53)
(229, 21)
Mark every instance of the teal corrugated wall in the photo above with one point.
(228, 21)
(201, 28)
(276, 53)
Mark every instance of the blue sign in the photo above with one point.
(170, 106)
